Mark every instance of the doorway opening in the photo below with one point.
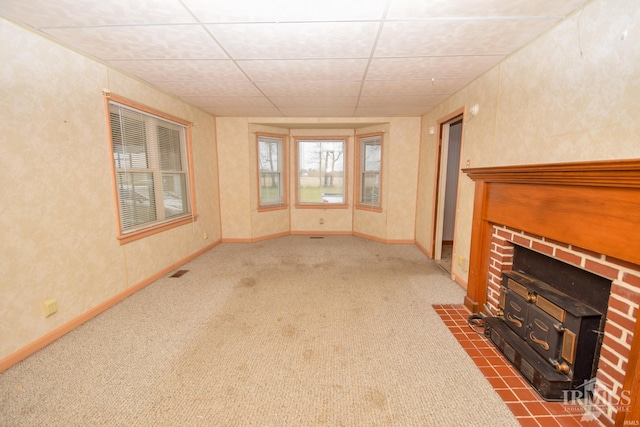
(450, 147)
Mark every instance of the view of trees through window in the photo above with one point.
(270, 164)
(370, 164)
(321, 171)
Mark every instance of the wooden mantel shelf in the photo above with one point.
(591, 205)
(611, 173)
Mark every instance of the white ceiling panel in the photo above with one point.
(421, 9)
(412, 87)
(317, 112)
(210, 11)
(447, 38)
(315, 101)
(146, 42)
(399, 101)
(92, 13)
(244, 111)
(229, 101)
(297, 40)
(313, 88)
(297, 58)
(209, 87)
(451, 67)
(305, 69)
(169, 70)
(391, 111)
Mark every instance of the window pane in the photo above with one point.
(270, 165)
(269, 153)
(372, 152)
(169, 148)
(321, 172)
(129, 140)
(371, 188)
(174, 191)
(270, 192)
(137, 199)
(370, 165)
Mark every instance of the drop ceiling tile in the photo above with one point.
(317, 112)
(87, 13)
(420, 9)
(305, 69)
(452, 38)
(315, 101)
(413, 87)
(229, 101)
(403, 111)
(285, 10)
(400, 101)
(161, 70)
(310, 88)
(209, 87)
(297, 40)
(145, 42)
(244, 111)
(430, 67)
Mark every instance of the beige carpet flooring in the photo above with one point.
(294, 331)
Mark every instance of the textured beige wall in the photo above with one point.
(402, 157)
(235, 180)
(58, 215)
(571, 95)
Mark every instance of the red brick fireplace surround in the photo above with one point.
(587, 215)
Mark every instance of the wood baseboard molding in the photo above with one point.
(383, 240)
(320, 233)
(470, 304)
(424, 250)
(50, 337)
(459, 280)
(270, 236)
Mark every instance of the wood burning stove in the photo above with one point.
(551, 337)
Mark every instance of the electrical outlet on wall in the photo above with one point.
(49, 306)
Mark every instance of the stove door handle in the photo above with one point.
(515, 320)
(541, 343)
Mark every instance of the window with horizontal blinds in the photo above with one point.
(370, 166)
(151, 168)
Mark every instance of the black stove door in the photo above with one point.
(515, 313)
(544, 333)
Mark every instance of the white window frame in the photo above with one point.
(276, 170)
(164, 206)
(366, 173)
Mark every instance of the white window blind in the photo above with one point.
(151, 167)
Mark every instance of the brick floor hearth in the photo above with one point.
(523, 401)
